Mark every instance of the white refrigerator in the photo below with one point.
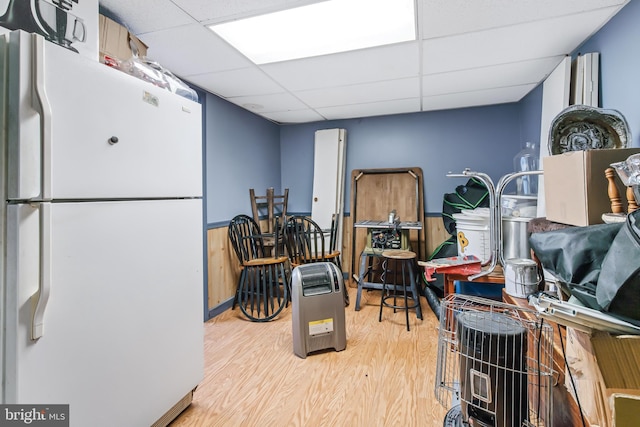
(102, 237)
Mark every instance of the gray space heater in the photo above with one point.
(318, 308)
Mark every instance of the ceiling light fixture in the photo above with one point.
(320, 29)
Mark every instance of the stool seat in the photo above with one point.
(405, 262)
(398, 254)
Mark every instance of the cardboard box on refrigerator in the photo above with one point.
(575, 186)
(116, 41)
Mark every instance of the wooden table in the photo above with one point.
(496, 276)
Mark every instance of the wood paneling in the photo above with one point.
(223, 267)
(436, 233)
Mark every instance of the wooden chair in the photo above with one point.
(307, 243)
(270, 205)
(265, 280)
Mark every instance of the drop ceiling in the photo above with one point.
(467, 53)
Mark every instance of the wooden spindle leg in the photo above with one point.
(612, 190)
(632, 204)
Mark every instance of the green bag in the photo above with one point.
(471, 195)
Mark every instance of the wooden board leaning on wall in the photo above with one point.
(375, 193)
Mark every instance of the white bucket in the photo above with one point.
(521, 277)
(473, 236)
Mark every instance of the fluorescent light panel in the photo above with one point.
(320, 29)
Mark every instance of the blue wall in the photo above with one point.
(530, 116)
(483, 139)
(244, 150)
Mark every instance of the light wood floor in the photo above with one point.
(385, 376)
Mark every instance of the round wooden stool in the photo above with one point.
(403, 263)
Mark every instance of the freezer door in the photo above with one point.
(122, 333)
(106, 134)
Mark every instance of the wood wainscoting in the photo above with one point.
(223, 265)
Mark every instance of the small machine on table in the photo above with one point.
(381, 235)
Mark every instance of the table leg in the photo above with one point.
(449, 285)
(363, 261)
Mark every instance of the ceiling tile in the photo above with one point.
(215, 11)
(512, 74)
(474, 53)
(297, 116)
(398, 106)
(241, 82)
(511, 44)
(477, 98)
(342, 69)
(140, 16)
(443, 18)
(192, 49)
(363, 93)
(269, 103)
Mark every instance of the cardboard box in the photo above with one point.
(606, 374)
(80, 21)
(575, 186)
(116, 41)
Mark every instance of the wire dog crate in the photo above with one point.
(495, 364)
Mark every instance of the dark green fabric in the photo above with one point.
(618, 289)
(574, 254)
(446, 249)
(471, 195)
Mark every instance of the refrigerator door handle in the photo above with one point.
(42, 105)
(40, 299)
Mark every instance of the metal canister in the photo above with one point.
(521, 277)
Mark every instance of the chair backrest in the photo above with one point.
(305, 240)
(272, 205)
(246, 238)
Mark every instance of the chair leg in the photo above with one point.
(405, 283)
(260, 296)
(404, 291)
(263, 292)
(384, 290)
(286, 280)
(415, 290)
(345, 291)
(395, 287)
(236, 296)
(364, 273)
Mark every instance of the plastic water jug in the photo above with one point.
(527, 160)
